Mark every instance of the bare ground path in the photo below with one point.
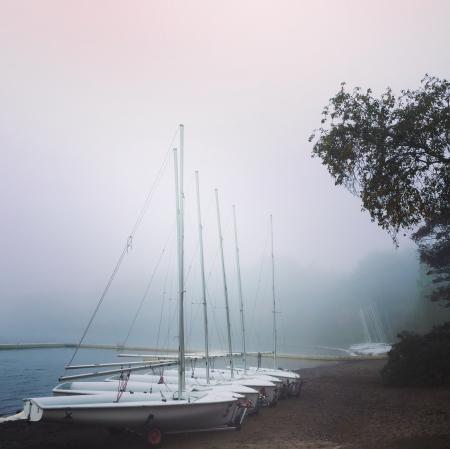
(342, 406)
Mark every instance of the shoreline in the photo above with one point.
(325, 358)
(342, 406)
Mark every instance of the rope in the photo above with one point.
(127, 245)
(122, 386)
(193, 364)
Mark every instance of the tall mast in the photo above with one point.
(230, 350)
(202, 269)
(182, 292)
(180, 253)
(274, 311)
(241, 302)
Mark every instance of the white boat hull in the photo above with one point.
(251, 379)
(292, 382)
(267, 388)
(101, 409)
(83, 388)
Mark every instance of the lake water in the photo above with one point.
(28, 373)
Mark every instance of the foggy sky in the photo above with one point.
(91, 93)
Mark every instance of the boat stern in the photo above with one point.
(32, 411)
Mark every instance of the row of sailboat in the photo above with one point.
(164, 399)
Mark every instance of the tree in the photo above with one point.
(394, 153)
(433, 239)
(419, 360)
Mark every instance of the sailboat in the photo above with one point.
(254, 391)
(153, 385)
(289, 383)
(374, 332)
(291, 380)
(267, 383)
(266, 386)
(156, 413)
(271, 383)
(253, 387)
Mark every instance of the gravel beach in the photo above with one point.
(342, 406)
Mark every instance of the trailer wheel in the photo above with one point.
(154, 437)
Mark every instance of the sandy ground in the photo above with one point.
(342, 406)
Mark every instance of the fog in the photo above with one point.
(91, 95)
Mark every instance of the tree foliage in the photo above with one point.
(419, 360)
(392, 152)
(433, 239)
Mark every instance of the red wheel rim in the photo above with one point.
(154, 436)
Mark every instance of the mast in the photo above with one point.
(230, 350)
(179, 194)
(182, 292)
(202, 269)
(241, 302)
(274, 311)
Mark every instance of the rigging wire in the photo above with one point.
(164, 293)
(219, 333)
(189, 278)
(151, 192)
(170, 313)
(197, 246)
(189, 272)
(128, 244)
(147, 289)
(258, 285)
(191, 308)
(193, 316)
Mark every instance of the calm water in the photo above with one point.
(34, 372)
